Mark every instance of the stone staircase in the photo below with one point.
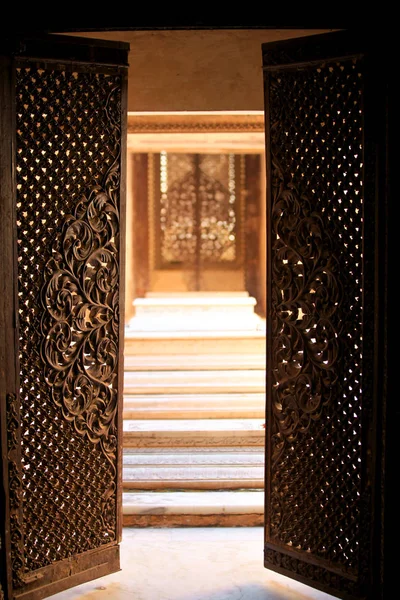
(193, 426)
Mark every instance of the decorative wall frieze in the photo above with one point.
(194, 123)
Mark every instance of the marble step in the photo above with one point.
(193, 468)
(154, 433)
(179, 311)
(173, 382)
(197, 343)
(194, 406)
(194, 362)
(193, 508)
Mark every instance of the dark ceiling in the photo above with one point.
(127, 17)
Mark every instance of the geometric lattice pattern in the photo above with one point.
(317, 227)
(68, 153)
(198, 206)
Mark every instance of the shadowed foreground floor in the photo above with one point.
(193, 564)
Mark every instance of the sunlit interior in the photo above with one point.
(195, 319)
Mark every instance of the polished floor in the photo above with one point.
(223, 563)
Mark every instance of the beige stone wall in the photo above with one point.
(203, 70)
(211, 280)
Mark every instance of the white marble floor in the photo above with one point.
(193, 564)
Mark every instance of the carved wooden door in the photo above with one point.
(326, 153)
(197, 221)
(62, 198)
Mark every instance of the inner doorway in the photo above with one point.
(195, 335)
(196, 204)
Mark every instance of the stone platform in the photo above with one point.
(195, 311)
(193, 508)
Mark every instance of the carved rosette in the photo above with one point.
(80, 320)
(306, 295)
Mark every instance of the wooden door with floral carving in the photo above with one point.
(62, 198)
(325, 103)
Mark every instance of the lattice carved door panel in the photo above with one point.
(198, 210)
(62, 419)
(323, 128)
(198, 217)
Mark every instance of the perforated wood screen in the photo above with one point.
(320, 360)
(63, 418)
(317, 282)
(198, 210)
